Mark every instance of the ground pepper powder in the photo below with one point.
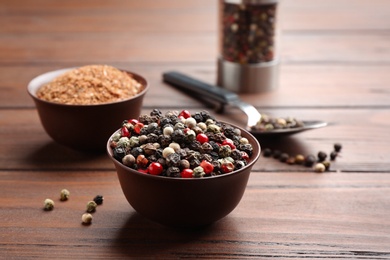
(89, 85)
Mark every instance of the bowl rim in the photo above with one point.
(39, 80)
(165, 178)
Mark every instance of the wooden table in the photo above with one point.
(335, 67)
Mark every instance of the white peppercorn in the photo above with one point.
(64, 195)
(86, 218)
(168, 130)
(175, 146)
(244, 140)
(190, 122)
(49, 204)
(167, 151)
(319, 167)
(209, 121)
(202, 126)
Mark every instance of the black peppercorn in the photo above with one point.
(173, 172)
(156, 112)
(284, 157)
(321, 156)
(333, 155)
(277, 154)
(198, 117)
(310, 160)
(136, 151)
(119, 153)
(239, 164)
(98, 199)
(267, 152)
(173, 160)
(337, 147)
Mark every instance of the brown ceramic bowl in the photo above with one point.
(187, 203)
(83, 127)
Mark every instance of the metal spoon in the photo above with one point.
(226, 97)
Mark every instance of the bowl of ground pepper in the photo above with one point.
(180, 169)
(81, 107)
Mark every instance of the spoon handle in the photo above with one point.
(210, 91)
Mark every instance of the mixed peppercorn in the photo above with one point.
(319, 162)
(268, 123)
(180, 144)
(86, 218)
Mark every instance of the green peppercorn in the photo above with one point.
(86, 218)
(116, 136)
(123, 142)
(225, 150)
(327, 165)
(134, 141)
(49, 204)
(213, 128)
(64, 195)
(198, 172)
(91, 206)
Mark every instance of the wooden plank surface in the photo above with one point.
(335, 63)
(291, 215)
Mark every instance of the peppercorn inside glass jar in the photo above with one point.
(248, 59)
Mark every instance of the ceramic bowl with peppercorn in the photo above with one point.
(181, 169)
(81, 107)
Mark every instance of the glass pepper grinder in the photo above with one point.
(248, 61)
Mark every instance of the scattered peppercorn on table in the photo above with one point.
(335, 60)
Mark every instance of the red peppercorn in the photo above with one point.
(155, 168)
(227, 167)
(137, 127)
(187, 173)
(125, 132)
(185, 114)
(143, 170)
(229, 142)
(207, 167)
(202, 138)
(142, 161)
(133, 121)
(245, 156)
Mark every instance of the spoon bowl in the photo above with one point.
(226, 97)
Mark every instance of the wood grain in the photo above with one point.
(281, 215)
(335, 61)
